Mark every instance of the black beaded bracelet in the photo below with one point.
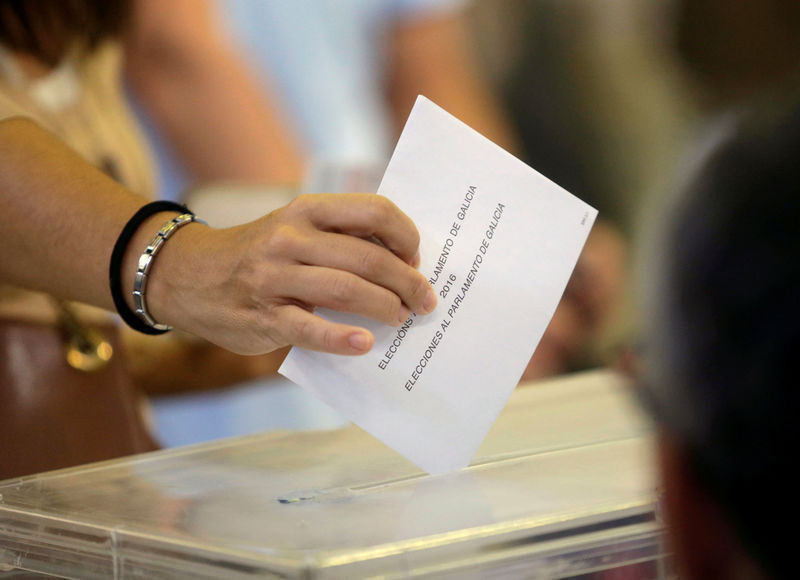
(114, 275)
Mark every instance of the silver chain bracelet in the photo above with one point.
(146, 260)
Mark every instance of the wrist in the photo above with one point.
(171, 274)
(133, 306)
(136, 247)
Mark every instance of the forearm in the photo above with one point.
(60, 218)
(201, 94)
(250, 289)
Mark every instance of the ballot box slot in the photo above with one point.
(493, 462)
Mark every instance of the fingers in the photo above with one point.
(306, 330)
(363, 215)
(344, 292)
(328, 231)
(374, 264)
(315, 252)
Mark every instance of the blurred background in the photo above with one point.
(604, 97)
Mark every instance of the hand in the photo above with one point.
(253, 288)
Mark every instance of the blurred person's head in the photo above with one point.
(48, 29)
(737, 48)
(724, 337)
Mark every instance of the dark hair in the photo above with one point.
(46, 29)
(730, 332)
(738, 47)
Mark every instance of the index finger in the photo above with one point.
(365, 215)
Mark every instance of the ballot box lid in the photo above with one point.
(562, 486)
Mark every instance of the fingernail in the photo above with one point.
(430, 301)
(403, 316)
(416, 260)
(360, 341)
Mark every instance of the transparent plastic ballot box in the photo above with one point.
(562, 487)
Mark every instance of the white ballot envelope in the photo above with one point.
(499, 242)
